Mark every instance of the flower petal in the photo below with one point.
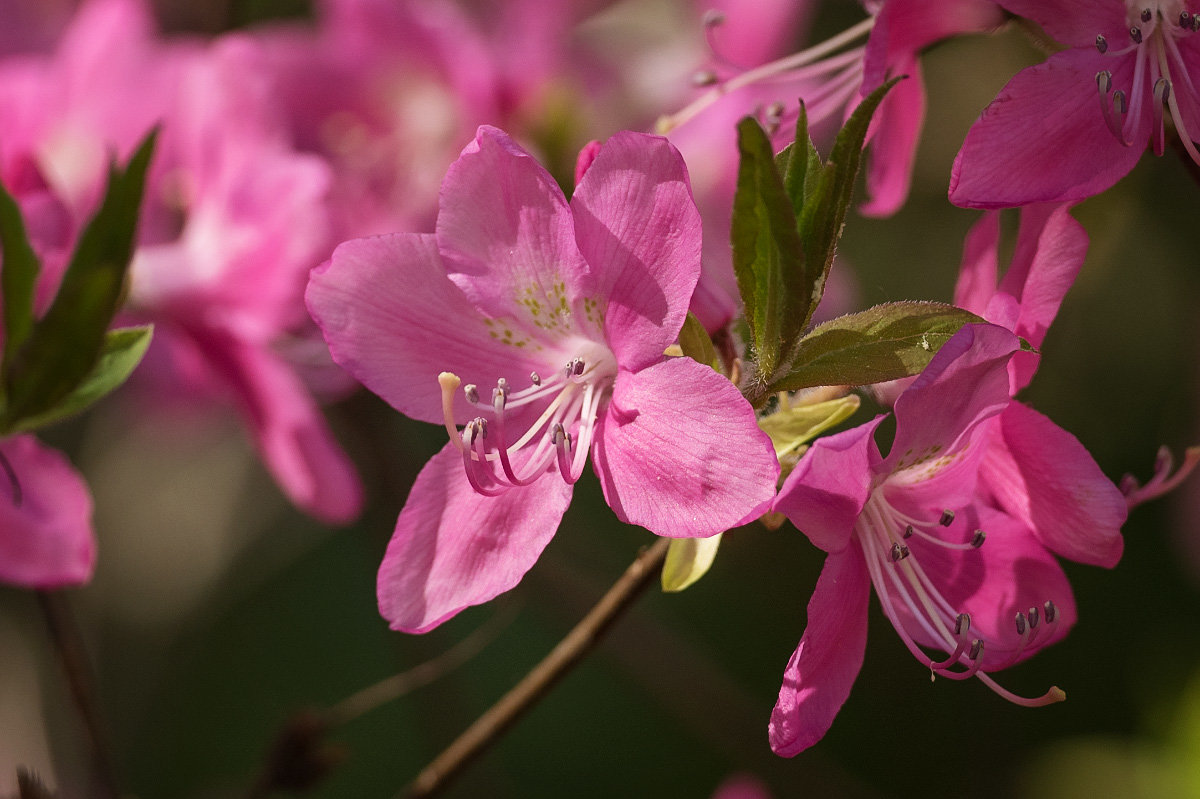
(1073, 22)
(292, 436)
(680, 453)
(394, 320)
(505, 234)
(454, 548)
(1043, 476)
(825, 493)
(638, 227)
(894, 144)
(46, 538)
(964, 385)
(818, 678)
(1043, 139)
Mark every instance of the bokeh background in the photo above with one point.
(218, 611)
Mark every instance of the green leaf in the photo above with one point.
(121, 352)
(17, 278)
(883, 343)
(800, 175)
(828, 195)
(795, 425)
(63, 346)
(688, 559)
(696, 344)
(767, 255)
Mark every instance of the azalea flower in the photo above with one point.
(954, 570)
(1071, 127)
(231, 222)
(46, 538)
(556, 314)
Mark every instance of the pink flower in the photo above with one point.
(1044, 138)
(557, 314)
(954, 570)
(231, 223)
(46, 538)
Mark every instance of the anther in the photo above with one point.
(577, 367)
(1050, 610)
(1101, 44)
(908, 531)
(899, 552)
(962, 623)
(535, 378)
(978, 539)
(472, 392)
(1103, 78)
(502, 384)
(1119, 103)
(481, 425)
(1185, 19)
(947, 518)
(704, 77)
(1135, 33)
(558, 434)
(976, 649)
(1020, 620)
(1146, 15)
(1196, 22)
(1034, 618)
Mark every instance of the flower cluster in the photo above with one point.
(388, 193)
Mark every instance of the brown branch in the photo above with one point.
(578, 642)
(68, 644)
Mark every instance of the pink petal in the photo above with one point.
(964, 385)
(394, 320)
(680, 453)
(505, 233)
(638, 228)
(293, 438)
(818, 678)
(1050, 250)
(1043, 139)
(1044, 477)
(46, 538)
(1074, 22)
(977, 275)
(903, 28)
(894, 144)
(454, 548)
(825, 493)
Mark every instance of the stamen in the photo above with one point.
(477, 469)
(450, 383)
(1185, 19)
(562, 442)
(577, 366)
(962, 623)
(704, 77)
(978, 538)
(1101, 44)
(899, 552)
(1051, 611)
(947, 518)
(1020, 623)
(1033, 618)
(908, 531)
(535, 378)
(1146, 15)
(1135, 33)
(1162, 95)
(472, 393)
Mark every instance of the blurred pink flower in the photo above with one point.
(46, 538)
(954, 570)
(579, 301)
(1043, 139)
(232, 219)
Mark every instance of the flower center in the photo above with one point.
(495, 458)
(1154, 28)
(907, 592)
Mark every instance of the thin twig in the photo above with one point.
(578, 642)
(68, 644)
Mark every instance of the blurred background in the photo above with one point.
(218, 610)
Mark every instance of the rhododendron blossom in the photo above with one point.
(1046, 137)
(540, 326)
(46, 538)
(954, 571)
